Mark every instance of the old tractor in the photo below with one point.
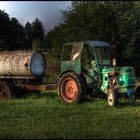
(89, 68)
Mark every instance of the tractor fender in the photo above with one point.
(67, 72)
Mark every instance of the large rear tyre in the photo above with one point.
(5, 91)
(112, 97)
(71, 88)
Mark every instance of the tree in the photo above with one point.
(38, 34)
(4, 30)
(18, 34)
(28, 35)
(56, 39)
(37, 44)
(37, 29)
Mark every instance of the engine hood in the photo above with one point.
(126, 78)
(118, 69)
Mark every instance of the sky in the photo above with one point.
(47, 11)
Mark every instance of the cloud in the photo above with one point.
(47, 11)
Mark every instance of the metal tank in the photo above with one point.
(22, 64)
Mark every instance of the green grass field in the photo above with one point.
(45, 117)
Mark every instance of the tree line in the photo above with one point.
(14, 36)
(117, 22)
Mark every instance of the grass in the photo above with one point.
(44, 117)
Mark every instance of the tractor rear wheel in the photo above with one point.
(71, 88)
(112, 97)
(5, 91)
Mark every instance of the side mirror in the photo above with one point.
(114, 62)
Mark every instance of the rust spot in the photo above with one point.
(35, 87)
(41, 87)
(26, 64)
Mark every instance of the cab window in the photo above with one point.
(87, 57)
(67, 53)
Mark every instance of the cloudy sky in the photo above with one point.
(47, 11)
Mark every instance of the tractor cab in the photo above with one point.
(87, 58)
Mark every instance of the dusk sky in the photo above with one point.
(47, 11)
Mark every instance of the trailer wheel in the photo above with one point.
(112, 97)
(70, 88)
(5, 91)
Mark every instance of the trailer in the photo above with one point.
(21, 70)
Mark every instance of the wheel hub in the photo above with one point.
(4, 92)
(71, 89)
(110, 99)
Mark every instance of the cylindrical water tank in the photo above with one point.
(22, 63)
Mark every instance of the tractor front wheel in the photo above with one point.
(70, 88)
(5, 91)
(112, 97)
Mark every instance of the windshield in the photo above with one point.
(104, 55)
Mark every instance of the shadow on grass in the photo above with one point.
(93, 99)
(122, 102)
(129, 103)
(35, 94)
(53, 95)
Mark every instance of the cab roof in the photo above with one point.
(94, 43)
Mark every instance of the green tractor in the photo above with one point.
(89, 68)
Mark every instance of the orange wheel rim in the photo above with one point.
(70, 89)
